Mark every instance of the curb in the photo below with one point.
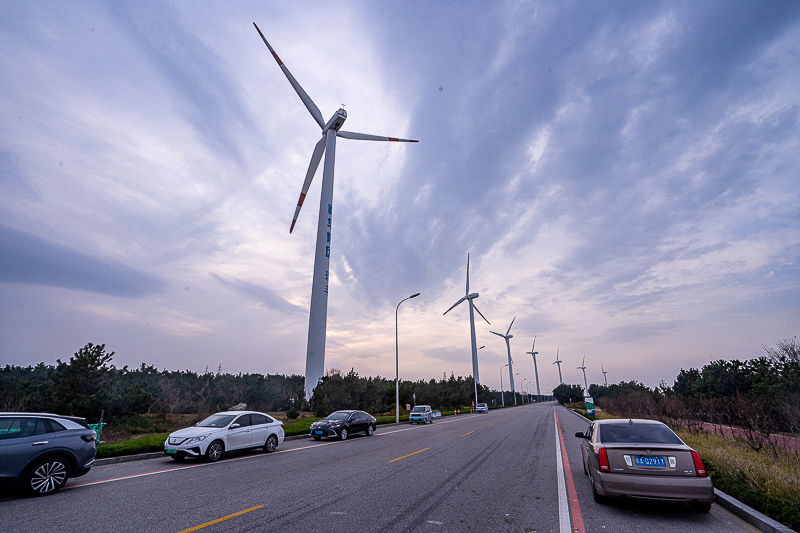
(750, 515)
(745, 512)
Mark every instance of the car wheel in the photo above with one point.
(271, 444)
(214, 451)
(370, 430)
(317, 438)
(47, 476)
(343, 434)
(597, 498)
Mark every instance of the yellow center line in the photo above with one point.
(393, 460)
(218, 520)
(493, 423)
(465, 434)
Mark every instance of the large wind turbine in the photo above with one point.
(583, 367)
(557, 362)
(508, 336)
(535, 369)
(605, 380)
(318, 315)
(470, 297)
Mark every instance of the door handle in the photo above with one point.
(40, 443)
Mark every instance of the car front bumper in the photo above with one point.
(664, 488)
(324, 432)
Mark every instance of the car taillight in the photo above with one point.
(602, 457)
(89, 438)
(698, 464)
(281, 425)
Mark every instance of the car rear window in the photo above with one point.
(637, 434)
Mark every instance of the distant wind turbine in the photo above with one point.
(507, 337)
(557, 362)
(318, 315)
(583, 367)
(605, 381)
(535, 369)
(469, 298)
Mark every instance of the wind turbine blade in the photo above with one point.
(509, 327)
(367, 137)
(455, 304)
(319, 149)
(468, 276)
(534, 343)
(479, 312)
(310, 105)
(498, 334)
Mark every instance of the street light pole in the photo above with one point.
(502, 392)
(397, 360)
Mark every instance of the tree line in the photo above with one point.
(761, 396)
(89, 384)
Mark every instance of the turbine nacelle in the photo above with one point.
(471, 296)
(336, 121)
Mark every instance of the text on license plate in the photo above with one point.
(170, 450)
(318, 432)
(640, 460)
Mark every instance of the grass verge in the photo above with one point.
(149, 443)
(766, 482)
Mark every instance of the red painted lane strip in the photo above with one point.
(575, 508)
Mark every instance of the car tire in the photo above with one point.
(272, 444)
(214, 451)
(343, 434)
(370, 430)
(47, 476)
(597, 497)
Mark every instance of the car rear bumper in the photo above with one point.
(664, 488)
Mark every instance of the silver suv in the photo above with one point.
(41, 451)
(421, 413)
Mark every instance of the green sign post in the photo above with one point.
(588, 402)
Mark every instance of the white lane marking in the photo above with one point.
(563, 503)
(166, 470)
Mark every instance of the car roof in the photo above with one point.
(629, 421)
(240, 413)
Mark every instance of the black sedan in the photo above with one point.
(341, 424)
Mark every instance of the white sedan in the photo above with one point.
(224, 432)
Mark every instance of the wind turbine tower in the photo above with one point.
(318, 315)
(605, 380)
(535, 369)
(507, 337)
(583, 367)
(557, 362)
(469, 298)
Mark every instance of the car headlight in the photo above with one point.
(196, 439)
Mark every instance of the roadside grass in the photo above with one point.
(767, 482)
(148, 443)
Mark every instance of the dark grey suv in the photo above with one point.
(41, 451)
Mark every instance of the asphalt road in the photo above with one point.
(483, 472)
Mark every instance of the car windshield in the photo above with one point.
(338, 415)
(418, 410)
(216, 421)
(638, 434)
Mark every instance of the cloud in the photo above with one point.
(31, 260)
(264, 295)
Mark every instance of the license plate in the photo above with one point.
(318, 432)
(640, 460)
(170, 451)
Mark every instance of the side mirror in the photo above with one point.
(580, 435)
(236, 425)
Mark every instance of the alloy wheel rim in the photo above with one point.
(272, 443)
(49, 477)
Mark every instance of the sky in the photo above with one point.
(623, 176)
